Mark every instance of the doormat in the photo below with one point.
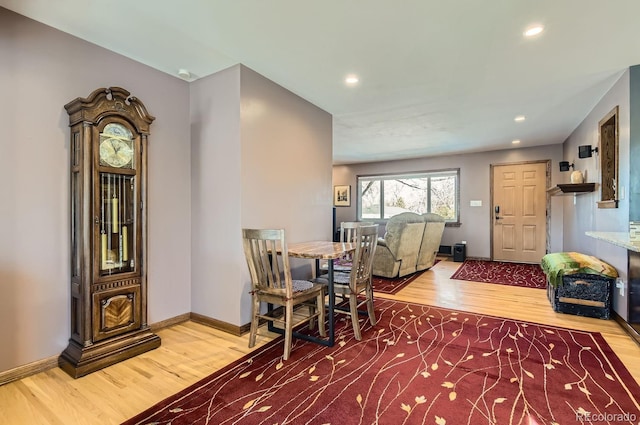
(503, 273)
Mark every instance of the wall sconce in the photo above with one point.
(564, 165)
(584, 151)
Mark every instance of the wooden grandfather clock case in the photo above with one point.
(108, 165)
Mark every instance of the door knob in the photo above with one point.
(496, 209)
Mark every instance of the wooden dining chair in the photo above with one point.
(348, 233)
(272, 283)
(349, 230)
(357, 282)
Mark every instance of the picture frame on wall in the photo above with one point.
(342, 196)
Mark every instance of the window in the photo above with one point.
(382, 197)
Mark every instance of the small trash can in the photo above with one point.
(459, 252)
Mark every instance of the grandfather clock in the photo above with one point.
(109, 135)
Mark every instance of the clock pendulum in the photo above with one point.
(119, 188)
(103, 233)
(114, 209)
(124, 231)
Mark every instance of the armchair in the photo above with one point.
(397, 252)
(431, 238)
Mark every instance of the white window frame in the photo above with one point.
(455, 172)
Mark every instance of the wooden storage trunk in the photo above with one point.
(583, 295)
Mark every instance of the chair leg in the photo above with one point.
(312, 315)
(370, 309)
(255, 311)
(288, 332)
(353, 307)
(321, 311)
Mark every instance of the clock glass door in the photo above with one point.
(117, 221)
(116, 207)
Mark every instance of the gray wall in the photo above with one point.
(261, 158)
(236, 126)
(584, 215)
(42, 69)
(216, 188)
(475, 184)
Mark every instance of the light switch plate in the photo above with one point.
(475, 203)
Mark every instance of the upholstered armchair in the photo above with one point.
(431, 238)
(397, 252)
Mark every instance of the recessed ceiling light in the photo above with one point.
(351, 79)
(533, 30)
(519, 118)
(515, 142)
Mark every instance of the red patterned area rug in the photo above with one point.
(503, 273)
(387, 285)
(391, 286)
(418, 365)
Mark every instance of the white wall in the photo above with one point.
(41, 69)
(261, 158)
(584, 215)
(475, 184)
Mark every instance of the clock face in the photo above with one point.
(116, 152)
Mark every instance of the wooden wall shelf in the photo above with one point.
(571, 188)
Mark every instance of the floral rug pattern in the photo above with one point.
(418, 365)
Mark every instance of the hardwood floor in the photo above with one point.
(191, 351)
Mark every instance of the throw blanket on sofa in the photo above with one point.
(558, 264)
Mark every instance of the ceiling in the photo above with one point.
(436, 77)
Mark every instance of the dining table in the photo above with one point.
(318, 251)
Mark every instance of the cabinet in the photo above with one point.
(108, 191)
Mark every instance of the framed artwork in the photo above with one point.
(342, 196)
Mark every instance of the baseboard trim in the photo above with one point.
(170, 322)
(220, 325)
(24, 371)
(43, 365)
(633, 333)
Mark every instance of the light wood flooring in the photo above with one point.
(191, 351)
